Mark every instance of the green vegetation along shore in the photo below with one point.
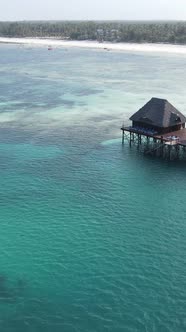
(173, 32)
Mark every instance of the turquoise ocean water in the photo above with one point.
(92, 236)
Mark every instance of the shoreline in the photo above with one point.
(125, 47)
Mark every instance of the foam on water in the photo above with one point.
(111, 141)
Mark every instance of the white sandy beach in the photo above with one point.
(159, 48)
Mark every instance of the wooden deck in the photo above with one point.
(169, 138)
(181, 134)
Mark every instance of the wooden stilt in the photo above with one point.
(169, 152)
(123, 138)
(138, 141)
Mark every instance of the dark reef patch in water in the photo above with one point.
(68, 103)
(10, 293)
(88, 92)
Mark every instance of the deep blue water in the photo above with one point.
(92, 235)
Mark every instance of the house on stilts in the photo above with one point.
(158, 128)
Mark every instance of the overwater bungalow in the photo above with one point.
(157, 127)
(159, 115)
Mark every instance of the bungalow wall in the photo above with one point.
(158, 129)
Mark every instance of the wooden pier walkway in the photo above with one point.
(168, 138)
(170, 146)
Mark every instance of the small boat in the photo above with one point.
(49, 48)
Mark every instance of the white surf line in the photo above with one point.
(134, 47)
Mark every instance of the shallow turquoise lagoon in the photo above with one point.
(92, 235)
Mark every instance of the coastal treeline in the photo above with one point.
(113, 31)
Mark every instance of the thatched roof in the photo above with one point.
(159, 113)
